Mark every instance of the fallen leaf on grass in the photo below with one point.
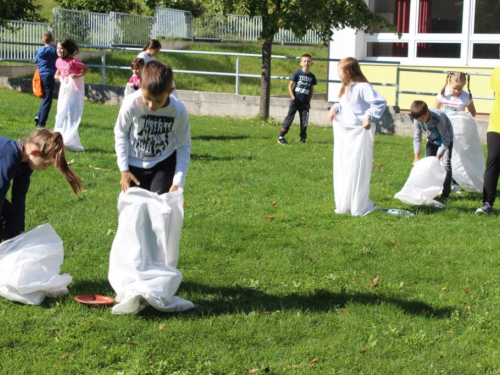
(64, 356)
(130, 343)
(375, 282)
(161, 326)
(274, 204)
(466, 290)
(60, 335)
(252, 371)
(57, 304)
(469, 308)
(293, 366)
(312, 363)
(150, 356)
(362, 351)
(270, 217)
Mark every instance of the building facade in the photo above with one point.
(437, 35)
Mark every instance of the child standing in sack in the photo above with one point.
(455, 99)
(152, 134)
(439, 133)
(134, 83)
(301, 89)
(45, 59)
(17, 161)
(70, 72)
(354, 137)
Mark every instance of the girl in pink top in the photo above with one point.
(70, 72)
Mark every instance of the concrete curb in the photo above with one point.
(200, 103)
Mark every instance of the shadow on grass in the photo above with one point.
(207, 157)
(239, 300)
(218, 137)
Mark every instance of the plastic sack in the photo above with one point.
(30, 265)
(128, 90)
(467, 158)
(36, 84)
(352, 168)
(143, 260)
(424, 184)
(69, 111)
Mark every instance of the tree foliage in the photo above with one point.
(300, 15)
(101, 6)
(20, 10)
(195, 7)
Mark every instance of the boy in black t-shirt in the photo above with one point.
(301, 90)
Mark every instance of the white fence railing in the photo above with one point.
(172, 23)
(84, 27)
(21, 42)
(106, 30)
(131, 29)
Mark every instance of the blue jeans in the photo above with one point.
(48, 83)
(431, 150)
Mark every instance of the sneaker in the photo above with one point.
(302, 140)
(485, 210)
(37, 121)
(456, 189)
(282, 141)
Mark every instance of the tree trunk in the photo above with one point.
(265, 81)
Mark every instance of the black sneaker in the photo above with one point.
(282, 141)
(37, 121)
(302, 140)
(485, 210)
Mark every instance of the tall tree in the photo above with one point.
(101, 6)
(19, 10)
(300, 16)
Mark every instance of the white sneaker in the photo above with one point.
(456, 189)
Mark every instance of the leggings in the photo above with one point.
(492, 171)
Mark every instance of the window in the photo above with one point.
(486, 17)
(437, 31)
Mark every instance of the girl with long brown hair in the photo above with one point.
(17, 161)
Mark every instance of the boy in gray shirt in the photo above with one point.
(439, 133)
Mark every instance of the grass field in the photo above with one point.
(281, 283)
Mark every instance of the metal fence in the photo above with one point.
(106, 30)
(172, 23)
(84, 27)
(21, 42)
(130, 29)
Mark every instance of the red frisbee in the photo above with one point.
(94, 299)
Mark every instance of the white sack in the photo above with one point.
(30, 265)
(143, 260)
(352, 168)
(69, 111)
(128, 90)
(467, 158)
(425, 182)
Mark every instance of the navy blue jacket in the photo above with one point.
(45, 58)
(13, 169)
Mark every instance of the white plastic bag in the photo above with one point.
(352, 168)
(69, 111)
(128, 90)
(467, 158)
(143, 260)
(424, 184)
(30, 265)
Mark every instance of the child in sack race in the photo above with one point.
(354, 138)
(70, 72)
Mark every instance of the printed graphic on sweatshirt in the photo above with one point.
(303, 85)
(151, 138)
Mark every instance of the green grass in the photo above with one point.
(225, 64)
(293, 295)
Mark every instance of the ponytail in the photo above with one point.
(468, 86)
(448, 80)
(51, 146)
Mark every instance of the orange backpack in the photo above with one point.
(37, 84)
